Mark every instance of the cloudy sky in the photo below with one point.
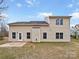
(34, 10)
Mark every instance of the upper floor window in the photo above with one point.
(59, 21)
(14, 35)
(44, 35)
(59, 35)
(28, 35)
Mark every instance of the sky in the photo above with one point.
(36, 10)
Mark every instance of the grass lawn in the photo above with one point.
(42, 51)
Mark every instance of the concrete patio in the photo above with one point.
(13, 44)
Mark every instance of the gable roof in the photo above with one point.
(30, 23)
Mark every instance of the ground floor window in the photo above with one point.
(20, 36)
(44, 35)
(14, 35)
(59, 35)
(28, 35)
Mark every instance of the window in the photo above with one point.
(28, 35)
(14, 35)
(59, 35)
(59, 21)
(44, 35)
(20, 36)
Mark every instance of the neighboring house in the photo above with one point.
(53, 29)
(77, 29)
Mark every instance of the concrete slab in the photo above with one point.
(13, 44)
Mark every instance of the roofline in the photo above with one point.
(28, 25)
(15, 23)
(59, 16)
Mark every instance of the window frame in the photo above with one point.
(59, 21)
(28, 35)
(44, 35)
(20, 35)
(59, 35)
(13, 35)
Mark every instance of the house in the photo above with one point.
(77, 30)
(53, 29)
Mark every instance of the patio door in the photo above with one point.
(19, 36)
(35, 34)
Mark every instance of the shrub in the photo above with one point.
(73, 37)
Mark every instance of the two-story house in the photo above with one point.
(53, 29)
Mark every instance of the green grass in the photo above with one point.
(42, 51)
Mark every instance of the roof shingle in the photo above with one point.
(30, 23)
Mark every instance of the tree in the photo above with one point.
(3, 8)
(75, 31)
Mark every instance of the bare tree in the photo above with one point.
(75, 31)
(3, 8)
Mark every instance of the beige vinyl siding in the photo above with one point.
(50, 30)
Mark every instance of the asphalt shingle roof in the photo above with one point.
(30, 23)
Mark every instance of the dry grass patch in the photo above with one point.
(42, 51)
